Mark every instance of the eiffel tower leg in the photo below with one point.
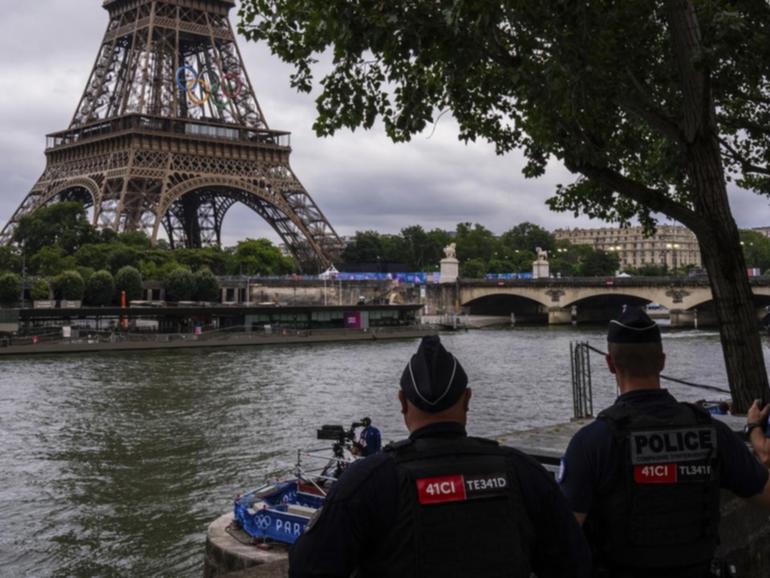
(169, 133)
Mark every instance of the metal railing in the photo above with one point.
(582, 388)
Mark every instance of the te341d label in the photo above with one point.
(459, 488)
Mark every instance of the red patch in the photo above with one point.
(655, 474)
(441, 489)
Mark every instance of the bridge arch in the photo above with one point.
(523, 308)
(602, 307)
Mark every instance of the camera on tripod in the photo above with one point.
(336, 433)
(339, 434)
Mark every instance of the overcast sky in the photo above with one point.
(360, 180)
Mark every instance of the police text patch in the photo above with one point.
(673, 446)
(459, 488)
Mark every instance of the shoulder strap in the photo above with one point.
(617, 417)
(702, 416)
(396, 446)
(429, 448)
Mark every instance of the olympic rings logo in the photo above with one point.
(263, 522)
(207, 86)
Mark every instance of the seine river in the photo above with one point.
(113, 465)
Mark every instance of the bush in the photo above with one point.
(40, 290)
(129, 279)
(122, 256)
(206, 286)
(85, 273)
(180, 285)
(100, 288)
(10, 288)
(69, 286)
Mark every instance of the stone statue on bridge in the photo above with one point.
(540, 267)
(450, 266)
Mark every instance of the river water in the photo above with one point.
(114, 464)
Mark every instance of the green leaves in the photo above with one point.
(10, 289)
(592, 84)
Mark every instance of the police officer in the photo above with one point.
(369, 440)
(442, 504)
(645, 476)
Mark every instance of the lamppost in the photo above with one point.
(23, 273)
(673, 247)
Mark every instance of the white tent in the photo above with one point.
(330, 273)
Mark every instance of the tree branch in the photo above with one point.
(654, 199)
(645, 108)
(746, 165)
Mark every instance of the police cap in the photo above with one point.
(433, 380)
(633, 326)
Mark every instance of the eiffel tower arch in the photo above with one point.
(169, 135)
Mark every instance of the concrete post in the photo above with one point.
(682, 319)
(450, 270)
(559, 315)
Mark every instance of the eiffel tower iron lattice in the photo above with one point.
(169, 133)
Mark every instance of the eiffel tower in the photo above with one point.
(169, 134)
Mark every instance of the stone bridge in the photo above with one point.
(560, 301)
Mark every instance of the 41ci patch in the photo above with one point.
(460, 488)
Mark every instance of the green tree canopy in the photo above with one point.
(475, 242)
(51, 261)
(100, 289)
(206, 286)
(10, 288)
(473, 268)
(10, 261)
(123, 256)
(137, 239)
(259, 257)
(756, 248)
(129, 279)
(95, 255)
(648, 102)
(69, 286)
(528, 237)
(180, 285)
(212, 258)
(599, 264)
(62, 225)
(364, 247)
(40, 290)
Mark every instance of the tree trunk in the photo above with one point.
(716, 229)
(733, 299)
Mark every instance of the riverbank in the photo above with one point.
(161, 342)
(744, 530)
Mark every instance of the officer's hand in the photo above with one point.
(757, 413)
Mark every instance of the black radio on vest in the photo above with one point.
(664, 508)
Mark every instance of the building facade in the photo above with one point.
(673, 246)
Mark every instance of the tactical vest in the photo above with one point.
(663, 510)
(461, 513)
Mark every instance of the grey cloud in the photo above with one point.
(359, 179)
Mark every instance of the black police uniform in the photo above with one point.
(647, 473)
(443, 504)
